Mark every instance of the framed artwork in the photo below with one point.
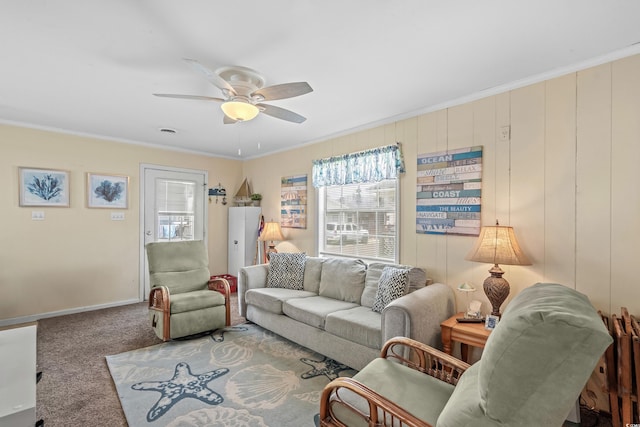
(491, 322)
(293, 201)
(107, 191)
(449, 192)
(44, 187)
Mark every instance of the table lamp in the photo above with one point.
(497, 245)
(271, 232)
(472, 310)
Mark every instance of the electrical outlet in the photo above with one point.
(37, 215)
(117, 216)
(505, 133)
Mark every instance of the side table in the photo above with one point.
(466, 334)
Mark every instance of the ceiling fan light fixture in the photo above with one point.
(238, 110)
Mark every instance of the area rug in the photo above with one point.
(238, 376)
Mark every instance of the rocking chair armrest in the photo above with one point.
(382, 412)
(425, 359)
(159, 299)
(222, 285)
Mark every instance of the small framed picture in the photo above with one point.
(107, 191)
(491, 322)
(44, 187)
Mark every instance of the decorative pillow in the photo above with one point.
(417, 279)
(286, 270)
(392, 285)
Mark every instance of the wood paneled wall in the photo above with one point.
(565, 180)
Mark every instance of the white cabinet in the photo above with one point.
(18, 375)
(243, 237)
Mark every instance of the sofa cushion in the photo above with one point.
(312, 273)
(195, 300)
(343, 279)
(417, 279)
(359, 324)
(392, 285)
(286, 270)
(313, 310)
(271, 299)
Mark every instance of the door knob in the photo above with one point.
(148, 233)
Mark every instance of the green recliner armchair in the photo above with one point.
(183, 299)
(532, 370)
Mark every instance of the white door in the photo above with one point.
(173, 208)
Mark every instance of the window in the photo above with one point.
(175, 209)
(358, 203)
(359, 220)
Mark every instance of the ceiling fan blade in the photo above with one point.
(281, 113)
(228, 120)
(213, 78)
(202, 98)
(285, 90)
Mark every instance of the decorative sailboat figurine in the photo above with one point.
(243, 196)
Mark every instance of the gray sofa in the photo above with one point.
(332, 313)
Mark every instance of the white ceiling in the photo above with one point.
(90, 67)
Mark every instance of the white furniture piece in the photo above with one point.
(18, 373)
(243, 237)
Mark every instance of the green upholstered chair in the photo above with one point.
(532, 370)
(183, 299)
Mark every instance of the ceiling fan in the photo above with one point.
(243, 90)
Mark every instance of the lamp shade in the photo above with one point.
(271, 231)
(466, 287)
(497, 245)
(237, 110)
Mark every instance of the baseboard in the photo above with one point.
(35, 317)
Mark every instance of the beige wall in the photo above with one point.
(565, 181)
(78, 257)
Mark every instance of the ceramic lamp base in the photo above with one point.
(496, 288)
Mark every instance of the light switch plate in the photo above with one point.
(505, 133)
(117, 216)
(37, 215)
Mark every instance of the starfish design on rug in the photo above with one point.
(218, 334)
(183, 384)
(327, 367)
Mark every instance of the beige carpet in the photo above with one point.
(76, 389)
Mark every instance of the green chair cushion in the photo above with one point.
(535, 363)
(421, 395)
(180, 266)
(195, 300)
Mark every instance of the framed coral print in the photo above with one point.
(44, 187)
(107, 191)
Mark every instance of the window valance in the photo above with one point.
(373, 165)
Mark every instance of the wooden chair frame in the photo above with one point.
(160, 301)
(623, 351)
(383, 412)
(611, 382)
(635, 341)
